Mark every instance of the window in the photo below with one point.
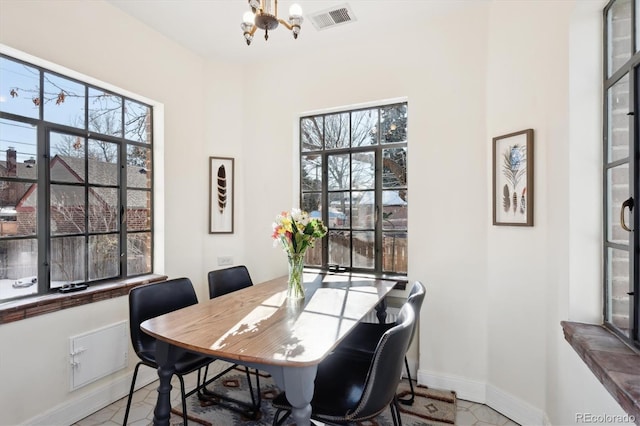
(621, 166)
(76, 191)
(353, 175)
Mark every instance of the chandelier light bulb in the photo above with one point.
(248, 17)
(295, 10)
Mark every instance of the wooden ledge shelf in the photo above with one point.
(33, 306)
(613, 362)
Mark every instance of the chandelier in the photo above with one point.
(264, 15)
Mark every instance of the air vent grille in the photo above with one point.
(333, 17)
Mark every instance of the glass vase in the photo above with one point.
(295, 289)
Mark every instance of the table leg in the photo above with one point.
(297, 382)
(381, 311)
(165, 357)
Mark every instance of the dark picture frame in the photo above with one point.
(221, 195)
(513, 194)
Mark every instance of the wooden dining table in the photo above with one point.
(261, 328)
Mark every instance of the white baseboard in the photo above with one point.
(469, 390)
(506, 404)
(76, 409)
(516, 409)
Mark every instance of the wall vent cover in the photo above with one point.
(338, 15)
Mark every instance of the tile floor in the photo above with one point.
(144, 399)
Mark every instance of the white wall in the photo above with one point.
(495, 295)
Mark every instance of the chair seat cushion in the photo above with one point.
(338, 387)
(187, 363)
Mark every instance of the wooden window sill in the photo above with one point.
(611, 360)
(17, 310)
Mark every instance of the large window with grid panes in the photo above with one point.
(76, 187)
(621, 164)
(353, 175)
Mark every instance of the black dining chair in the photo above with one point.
(149, 301)
(347, 390)
(364, 337)
(227, 280)
(221, 282)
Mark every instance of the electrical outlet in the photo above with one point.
(225, 260)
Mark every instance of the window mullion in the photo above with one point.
(43, 228)
(378, 209)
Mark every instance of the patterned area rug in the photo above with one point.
(431, 406)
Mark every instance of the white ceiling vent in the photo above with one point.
(338, 15)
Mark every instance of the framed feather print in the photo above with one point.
(221, 195)
(513, 179)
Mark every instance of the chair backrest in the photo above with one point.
(223, 281)
(154, 299)
(415, 299)
(386, 366)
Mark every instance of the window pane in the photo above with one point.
(311, 131)
(617, 193)
(26, 212)
(336, 131)
(313, 256)
(394, 210)
(363, 213)
(619, 34)
(339, 171)
(394, 252)
(67, 154)
(363, 250)
(617, 288)
(105, 112)
(138, 210)
(103, 162)
(139, 253)
(139, 173)
(104, 260)
(364, 127)
(394, 168)
(137, 122)
(311, 203)
(63, 101)
(339, 206)
(103, 209)
(20, 88)
(618, 120)
(67, 260)
(18, 268)
(393, 123)
(18, 143)
(311, 169)
(363, 170)
(11, 200)
(339, 248)
(67, 209)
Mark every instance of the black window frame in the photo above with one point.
(377, 149)
(43, 233)
(631, 69)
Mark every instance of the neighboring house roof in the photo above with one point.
(23, 170)
(72, 169)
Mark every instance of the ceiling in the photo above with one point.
(211, 28)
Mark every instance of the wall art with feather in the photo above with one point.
(513, 179)
(221, 195)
